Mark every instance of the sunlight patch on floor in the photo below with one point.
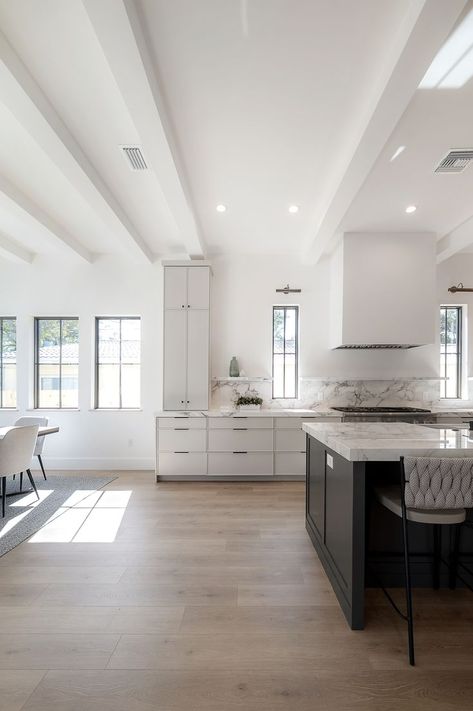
(85, 517)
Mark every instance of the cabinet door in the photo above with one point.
(175, 287)
(316, 487)
(198, 286)
(175, 351)
(197, 360)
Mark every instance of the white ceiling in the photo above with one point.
(257, 104)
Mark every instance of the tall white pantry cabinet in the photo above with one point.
(186, 337)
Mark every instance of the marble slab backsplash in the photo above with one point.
(320, 394)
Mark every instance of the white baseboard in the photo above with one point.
(99, 463)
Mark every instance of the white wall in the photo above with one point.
(88, 438)
(243, 293)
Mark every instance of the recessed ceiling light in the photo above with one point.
(410, 209)
(293, 209)
(397, 153)
(221, 208)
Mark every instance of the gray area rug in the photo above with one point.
(24, 517)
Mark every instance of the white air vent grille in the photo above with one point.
(375, 346)
(134, 157)
(455, 161)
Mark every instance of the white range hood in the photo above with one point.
(382, 290)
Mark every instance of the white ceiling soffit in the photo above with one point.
(12, 198)
(26, 101)
(121, 34)
(457, 240)
(14, 252)
(425, 27)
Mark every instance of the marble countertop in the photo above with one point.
(383, 441)
(289, 412)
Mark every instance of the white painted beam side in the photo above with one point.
(31, 108)
(119, 30)
(424, 29)
(13, 251)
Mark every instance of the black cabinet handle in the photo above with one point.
(181, 429)
(241, 429)
(179, 452)
(239, 452)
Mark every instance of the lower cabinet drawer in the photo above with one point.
(189, 423)
(182, 440)
(175, 464)
(250, 423)
(226, 463)
(240, 440)
(289, 463)
(290, 441)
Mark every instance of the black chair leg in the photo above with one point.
(41, 465)
(4, 494)
(453, 570)
(30, 477)
(21, 482)
(437, 554)
(410, 622)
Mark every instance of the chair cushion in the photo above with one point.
(390, 497)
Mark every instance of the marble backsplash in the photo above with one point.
(319, 393)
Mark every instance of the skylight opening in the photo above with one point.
(452, 66)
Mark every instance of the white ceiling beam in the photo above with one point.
(455, 241)
(121, 34)
(13, 251)
(425, 27)
(12, 197)
(24, 98)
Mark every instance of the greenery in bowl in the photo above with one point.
(248, 400)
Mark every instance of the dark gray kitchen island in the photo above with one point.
(343, 461)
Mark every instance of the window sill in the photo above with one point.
(9, 409)
(116, 409)
(53, 409)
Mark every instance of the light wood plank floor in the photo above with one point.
(211, 598)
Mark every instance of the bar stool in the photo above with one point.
(435, 491)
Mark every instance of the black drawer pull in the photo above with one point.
(239, 452)
(181, 429)
(241, 429)
(181, 452)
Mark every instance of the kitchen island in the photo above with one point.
(343, 461)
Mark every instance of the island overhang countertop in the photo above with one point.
(385, 441)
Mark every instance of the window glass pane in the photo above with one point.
(290, 339)
(9, 385)
(70, 385)
(131, 329)
(70, 341)
(8, 362)
(48, 341)
(290, 376)
(130, 385)
(109, 340)
(450, 351)
(108, 386)
(285, 351)
(48, 385)
(278, 376)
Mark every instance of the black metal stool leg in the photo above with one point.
(30, 477)
(410, 622)
(21, 482)
(41, 465)
(437, 553)
(453, 570)
(4, 494)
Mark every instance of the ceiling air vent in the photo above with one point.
(455, 161)
(134, 157)
(375, 346)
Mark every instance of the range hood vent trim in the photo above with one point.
(376, 346)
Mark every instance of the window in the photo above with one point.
(285, 351)
(56, 363)
(451, 351)
(117, 362)
(7, 362)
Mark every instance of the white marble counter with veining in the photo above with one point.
(383, 441)
(275, 412)
(179, 413)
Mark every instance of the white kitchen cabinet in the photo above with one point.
(288, 464)
(182, 464)
(186, 378)
(238, 440)
(175, 360)
(238, 422)
(186, 287)
(289, 441)
(180, 440)
(240, 464)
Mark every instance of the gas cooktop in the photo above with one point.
(376, 410)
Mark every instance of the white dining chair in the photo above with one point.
(16, 452)
(42, 421)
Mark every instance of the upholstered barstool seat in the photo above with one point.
(390, 498)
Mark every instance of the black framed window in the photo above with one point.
(56, 363)
(285, 351)
(451, 351)
(117, 362)
(7, 362)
